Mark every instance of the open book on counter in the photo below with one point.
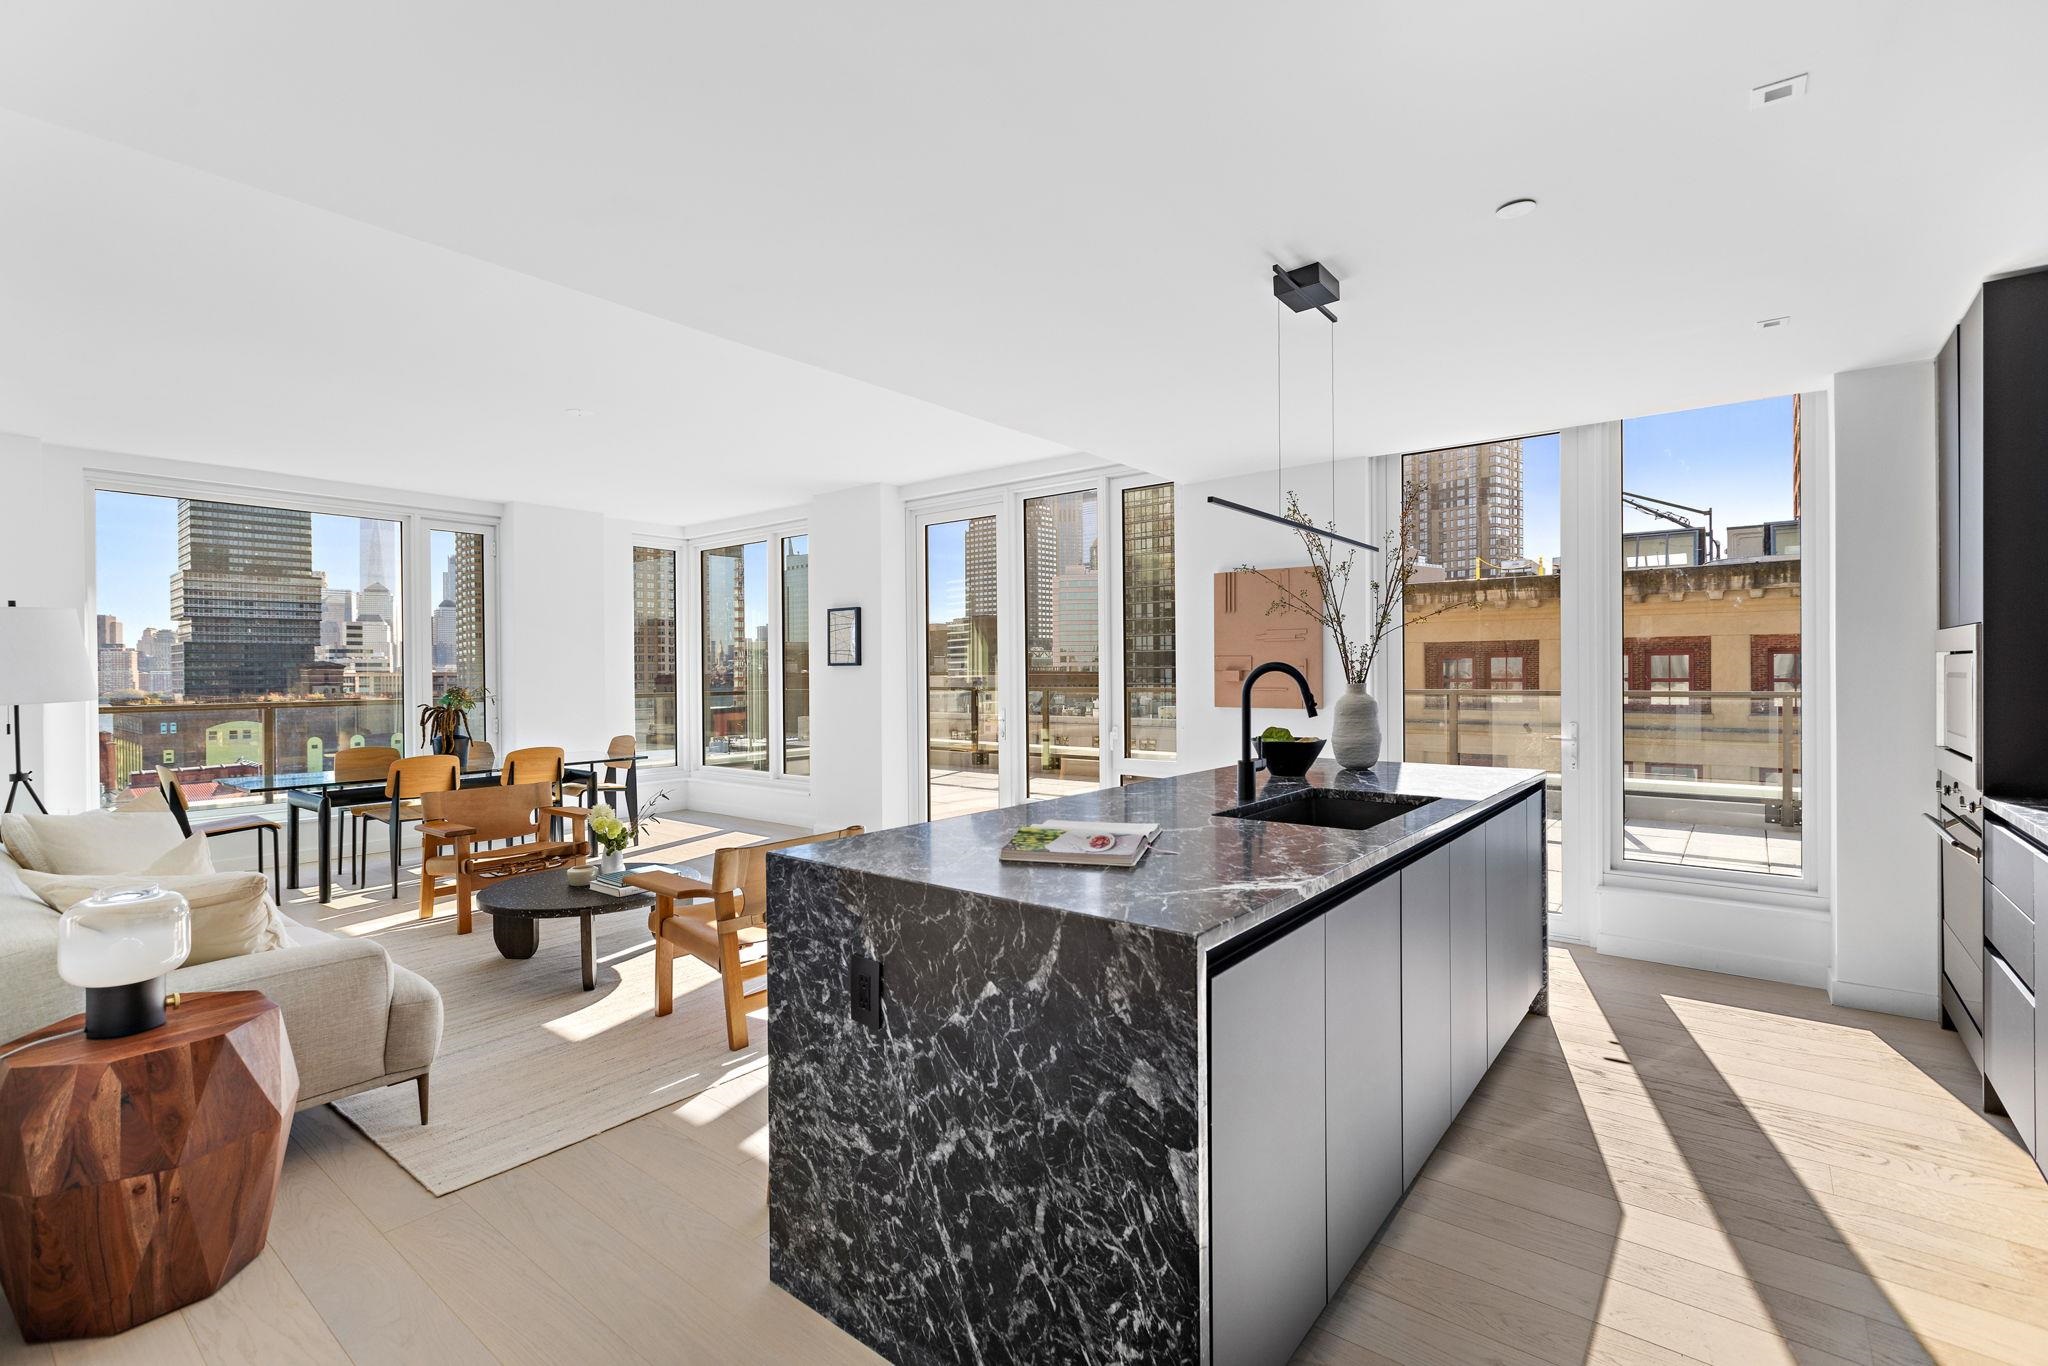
(1087, 844)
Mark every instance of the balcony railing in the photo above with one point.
(210, 742)
(1729, 747)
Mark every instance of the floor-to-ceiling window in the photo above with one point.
(1481, 643)
(654, 652)
(1711, 610)
(796, 654)
(734, 641)
(1062, 636)
(963, 761)
(1149, 648)
(239, 640)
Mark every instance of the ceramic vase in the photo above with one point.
(612, 862)
(1355, 728)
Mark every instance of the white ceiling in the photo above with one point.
(397, 234)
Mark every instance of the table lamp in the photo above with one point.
(42, 659)
(120, 944)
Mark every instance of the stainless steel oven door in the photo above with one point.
(1962, 912)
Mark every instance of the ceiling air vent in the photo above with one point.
(1778, 92)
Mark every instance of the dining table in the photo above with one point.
(321, 792)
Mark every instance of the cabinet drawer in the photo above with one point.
(2009, 1044)
(1964, 967)
(2012, 866)
(2011, 932)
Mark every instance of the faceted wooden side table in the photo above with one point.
(137, 1175)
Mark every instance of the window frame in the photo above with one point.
(417, 518)
(690, 662)
(675, 547)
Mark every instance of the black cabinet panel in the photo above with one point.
(1948, 439)
(1425, 1007)
(1969, 566)
(1268, 1262)
(1363, 1046)
(1469, 1055)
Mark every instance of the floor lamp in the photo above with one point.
(42, 659)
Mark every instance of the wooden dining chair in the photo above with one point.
(407, 781)
(457, 821)
(723, 923)
(174, 797)
(604, 778)
(534, 764)
(363, 764)
(481, 756)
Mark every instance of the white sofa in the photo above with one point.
(356, 1020)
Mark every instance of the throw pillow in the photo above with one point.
(232, 913)
(187, 858)
(90, 841)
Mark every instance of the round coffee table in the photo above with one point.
(518, 905)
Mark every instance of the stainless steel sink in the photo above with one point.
(1329, 809)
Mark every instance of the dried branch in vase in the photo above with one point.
(1333, 582)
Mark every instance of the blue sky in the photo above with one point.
(138, 552)
(1735, 459)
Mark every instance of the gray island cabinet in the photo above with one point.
(1144, 1115)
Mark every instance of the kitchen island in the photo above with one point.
(1150, 1114)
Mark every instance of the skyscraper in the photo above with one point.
(1468, 509)
(378, 553)
(464, 580)
(245, 598)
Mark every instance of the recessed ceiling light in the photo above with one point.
(1516, 208)
(1782, 320)
(579, 412)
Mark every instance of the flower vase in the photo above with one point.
(1355, 728)
(612, 861)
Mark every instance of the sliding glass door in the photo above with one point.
(963, 716)
(1047, 648)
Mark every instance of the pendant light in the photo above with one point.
(1305, 287)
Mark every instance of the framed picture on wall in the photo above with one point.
(842, 635)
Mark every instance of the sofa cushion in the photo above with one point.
(232, 913)
(91, 841)
(186, 858)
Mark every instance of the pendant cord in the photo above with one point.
(1278, 449)
(1333, 424)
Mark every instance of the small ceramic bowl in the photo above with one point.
(1289, 758)
(582, 877)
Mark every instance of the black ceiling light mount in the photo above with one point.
(1306, 287)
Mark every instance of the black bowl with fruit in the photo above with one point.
(1287, 755)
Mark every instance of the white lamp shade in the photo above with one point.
(43, 657)
(123, 936)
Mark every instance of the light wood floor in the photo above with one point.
(1674, 1167)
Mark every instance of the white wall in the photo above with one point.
(1211, 540)
(560, 652)
(1886, 907)
(46, 561)
(860, 759)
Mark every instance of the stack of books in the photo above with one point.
(614, 884)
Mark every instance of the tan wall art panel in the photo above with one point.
(1248, 635)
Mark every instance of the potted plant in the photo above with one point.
(612, 835)
(1355, 720)
(444, 722)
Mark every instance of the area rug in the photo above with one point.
(530, 1062)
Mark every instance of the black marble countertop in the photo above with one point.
(2028, 816)
(1209, 876)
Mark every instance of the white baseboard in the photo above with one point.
(1917, 1005)
(1714, 959)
